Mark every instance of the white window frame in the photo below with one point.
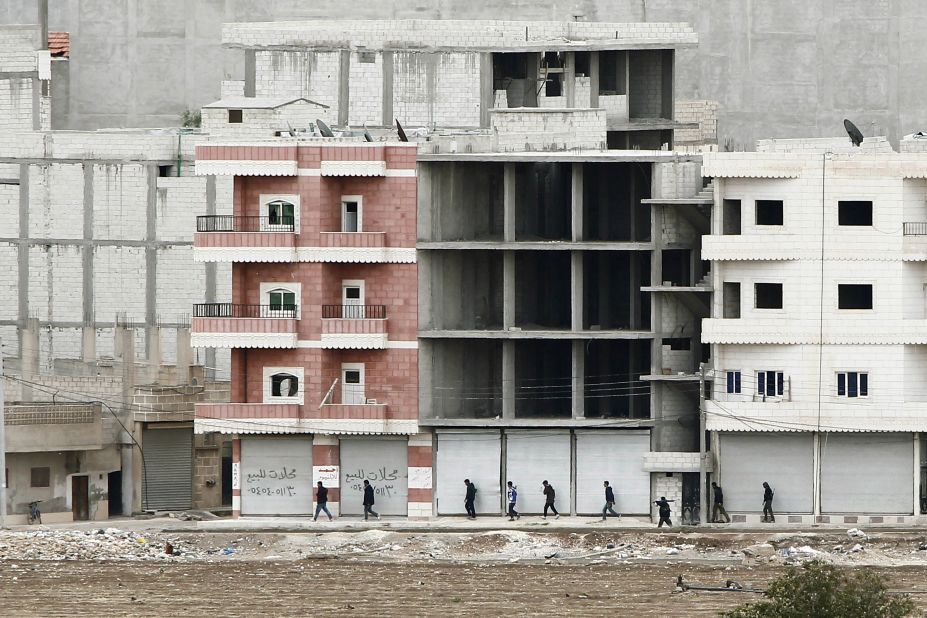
(267, 198)
(360, 211)
(295, 371)
(846, 384)
(359, 367)
(779, 390)
(266, 287)
(735, 377)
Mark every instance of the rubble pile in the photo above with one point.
(100, 544)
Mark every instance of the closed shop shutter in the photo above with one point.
(383, 462)
(784, 460)
(616, 457)
(470, 455)
(276, 476)
(533, 456)
(168, 473)
(867, 473)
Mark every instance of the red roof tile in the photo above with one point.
(59, 44)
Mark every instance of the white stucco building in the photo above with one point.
(819, 329)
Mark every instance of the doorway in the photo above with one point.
(352, 384)
(114, 492)
(80, 497)
(352, 299)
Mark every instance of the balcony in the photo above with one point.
(227, 238)
(227, 325)
(247, 410)
(40, 427)
(914, 243)
(354, 327)
(354, 239)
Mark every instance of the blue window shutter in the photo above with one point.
(761, 383)
(852, 384)
(730, 381)
(737, 382)
(841, 384)
(780, 383)
(864, 385)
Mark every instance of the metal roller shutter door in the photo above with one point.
(867, 473)
(168, 473)
(468, 455)
(616, 457)
(381, 461)
(533, 456)
(276, 476)
(785, 461)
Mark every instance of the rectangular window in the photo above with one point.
(854, 296)
(854, 213)
(730, 217)
(352, 213)
(282, 300)
(852, 384)
(770, 383)
(40, 477)
(733, 382)
(769, 212)
(235, 116)
(768, 295)
(731, 299)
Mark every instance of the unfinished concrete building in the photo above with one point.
(558, 238)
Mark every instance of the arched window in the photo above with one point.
(282, 302)
(281, 215)
(284, 385)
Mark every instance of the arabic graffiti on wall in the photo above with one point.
(271, 482)
(384, 480)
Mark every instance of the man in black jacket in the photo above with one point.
(469, 499)
(609, 503)
(368, 501)
(717, 507)
(768, 515)
(665, 512)
(549, 497)
(321, 502)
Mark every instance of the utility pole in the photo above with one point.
(702, 450)
(2, 448)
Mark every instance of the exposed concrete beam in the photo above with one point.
(151, 253)
(576, 205)
(579, 378)
(508, 380)
(87, 249)
(344, 87)
(569, 79)
(576, 290)
(388, 90)
(593, 79)
(487, 94)
(250, 72)
(508, 290)
(23, 252)
(509, 198)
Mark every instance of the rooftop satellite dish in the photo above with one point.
(367, 136)
(855, 135)
(402, 134)
(323, 128)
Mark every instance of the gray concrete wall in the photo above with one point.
(779, 68)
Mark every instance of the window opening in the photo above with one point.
(733, 382)
(235, 116)
(769, 212)
(854, 296)
(40, 477)
(284, 385)
(854, 213)
(350, 216)
(852, 384)
(282, 301)
(768, 295)
(770, 383)
(281, 213)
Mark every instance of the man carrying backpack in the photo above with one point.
(512, 495)
(469, 499)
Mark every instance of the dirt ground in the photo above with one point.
(335, 587)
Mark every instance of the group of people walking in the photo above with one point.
(321, 501)
(550, 497)
(719, 514)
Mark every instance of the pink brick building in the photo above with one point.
(322, 324)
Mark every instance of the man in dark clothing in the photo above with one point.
(321, 502)
(368, 501)
(768, 515)
(549, 496)
(663, 503)
(718, 506)
(609, 503)
(469, 499)
(511, 494)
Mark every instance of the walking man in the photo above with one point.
(768, 515)
(665, 512)
(321, 502)
(718, 506)
(609, 503)
(368, 501)
(512, 495)
(549, 496)
(469, 499)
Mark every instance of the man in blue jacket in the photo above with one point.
(512, 495)
(609, 503)
(368, 501)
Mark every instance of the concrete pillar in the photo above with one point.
(250, 72)
(42, 9)
(184, 356)
(388, 90)
(344, 87)
(569, 79)
(153, 338)
(508, 379)
(576, 290)
(816, 476)
(487, 95)
(576, 206)
(917, 475)
(426, 394)
(126, 353)
(593, 79)
(634, 289)
(88, 346)
(29, 356)
(508, 202)
(508, 289)
(579, 378)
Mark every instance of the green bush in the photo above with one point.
(820, 590)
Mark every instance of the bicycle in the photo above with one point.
(35, 515)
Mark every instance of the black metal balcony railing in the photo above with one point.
(229, 223)
(915, 228)
(230, 310)
(354, 312)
